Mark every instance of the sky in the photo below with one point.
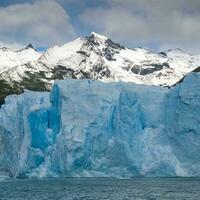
(154, 24)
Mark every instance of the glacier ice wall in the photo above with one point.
(183, 123)
(101, 125)
(23, 130)
(89, 128)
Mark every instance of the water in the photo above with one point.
(94, 189)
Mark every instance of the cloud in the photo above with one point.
(164, 23)
(157, 24)
(43, 23)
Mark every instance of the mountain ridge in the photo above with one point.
(93, 57)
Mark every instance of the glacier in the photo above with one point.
(87, 128)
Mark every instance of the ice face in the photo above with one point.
(23, 123)
(183, 122)
(99, 124)
(90, 128)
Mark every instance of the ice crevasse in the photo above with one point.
(86, 128)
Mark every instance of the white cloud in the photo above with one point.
(42, 23)
(167, 23)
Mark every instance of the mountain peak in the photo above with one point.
(98, 36)
(5, 49)
(29, 46)
(176, 50)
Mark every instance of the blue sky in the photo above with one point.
(153, 24)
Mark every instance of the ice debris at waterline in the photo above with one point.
(89, 128)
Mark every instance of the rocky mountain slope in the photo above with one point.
(93, 57)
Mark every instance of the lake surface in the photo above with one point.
(102, 188)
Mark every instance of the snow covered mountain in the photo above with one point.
(10, 66)
(10, 59)
(94, 57)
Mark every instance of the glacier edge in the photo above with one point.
(87, 128)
